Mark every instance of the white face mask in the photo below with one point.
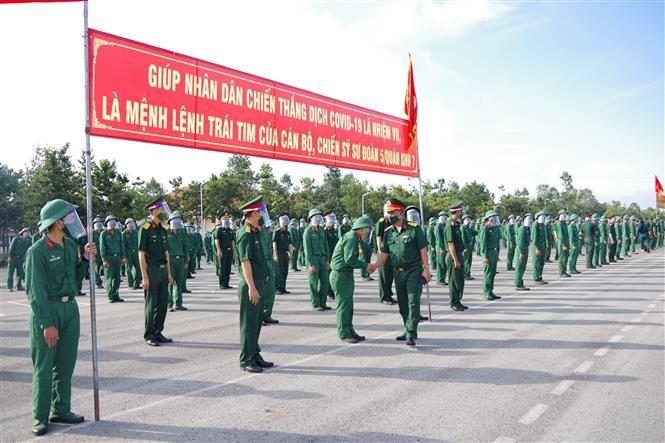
(496, 221)
(176, 223)
(563, 217)
(527, 221)
(316, 220)
(303, 224)
(413, 216)
(330, 221)
(442, 219)
(467, 222)
(98, 226)
(511, 221)
(346, 220)
(25, 235)
(541, 219)
(131, 226)
(112, 224)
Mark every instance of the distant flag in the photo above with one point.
(660, 195)
(38, 1)
(411, 109)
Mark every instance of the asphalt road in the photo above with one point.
(580, 359)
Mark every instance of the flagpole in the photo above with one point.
(88, 205)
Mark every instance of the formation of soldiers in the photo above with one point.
(159, 253)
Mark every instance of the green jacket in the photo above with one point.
(130, 241)
(468, 237)
(248, 247)
(315, 244)
(332, 239)
(522, 240)
(343, 229)
(439, 238)
(266, 244)
(404, 246)
(589, 232)
(19, 247)
(296, 237)
(538, 236)
(282, 238)
(562, 234)
(178, 244)
(111, 245)
(573, 235)
(510, 235)
(345, 257)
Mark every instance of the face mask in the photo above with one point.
(496, 221)
(98, 226)
(73, 224)
(541, 219)
(25, 235)
(563, 217)
(442, 219)
(346, 221)
(394, 218)
(265, 216)
(226, 223)
(528, 221)
(511, 221)
(303, 224)
(330, 221)
(366, 234)
(316, 220)
(176, 223)
(131, 226)
(466, 222)
(112, 224)
(413, 216)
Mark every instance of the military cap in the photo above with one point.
(489, 214)
(393, 204)
(175, 214)
(156, 203)
(457, 206)
(362, 222)
(253, 205)
(109, 218)
(312, 213)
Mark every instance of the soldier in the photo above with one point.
(38, 234)
(192, 246)
(632, 227)
(366, 250)
(539, 242)
(130, 241)
(625, 235)
(522, 241)
(207, 247)
(549, 239)
(281, 241)
(385, 270)
(589, 234)
(225, 247)
(253, 274)
(317, 260)
(603, 239)
(301, 253)
(468, 240)
(345, 259)
(113, 255)
(441, 249)
(618, 235)
(17, 250)
(453, 238)
(51, 286)
(488, 241)
(431, 241)
(296, 244)
(574, 241)
(406, 245)
(156, 270)
(563, 242)
(98, 227)
(611, 240)
(345, 226)
(198, 247)
(331, 238)
(266, 238)
(510, 237)
(179, 258)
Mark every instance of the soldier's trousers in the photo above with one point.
(269, 296)
(16, 266)
(611, 252)
(520, 267)
(156, 300)
(572, 260)
(318, 281)
(468, 258)
(53, 367)
(192, 263)
(179, 276)
(433, 258)
(294, 257)
(409, 289)
(547, 253)
(133, 270)
(112, 277)
(441, 268)
(81, 269)
(633, 244)
(563, 260)
(367, 256)
(99, 269)
(510, 256)
(225, 267)
(386, 277)
(538, 264)
(208, 252)
(282, 270)
(343, 285)
(626, 246)
(617, 250)
(301, 257)
(602, 254)
(251, 319)
(456, 279)
(589, 253)
(489, 272)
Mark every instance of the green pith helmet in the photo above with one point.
(109, 218)
(489, 214)
(129, 220)
(362, 222)
(595, 217)
(98, 220)
(175, 214)
(54, 211)
(313, 212)
(573, 217)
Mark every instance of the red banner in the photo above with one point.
(143, 93)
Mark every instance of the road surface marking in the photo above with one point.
(584, 367)
(615, 338)
(627, 328)
(562, 387)
(534, 414)
(600, 352)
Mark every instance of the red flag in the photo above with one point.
(38, 1)
(660, 195)
(411, 110)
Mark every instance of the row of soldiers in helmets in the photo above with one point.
(263, 252)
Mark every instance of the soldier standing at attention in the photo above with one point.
(225, 247)
(130, 240)
(281, 241)
(385, 270)
(522, 251)
(317, 260)
(296, 244)
(539, 242)
(113, 255)
(179, 258)
(468, 237)
(17, 250)
(441, 249)
(510, 238)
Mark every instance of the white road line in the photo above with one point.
(636, 320)
(562, 387)
(615, 338)
(584, 367)
(505, 440)
(20, 304)
(651, 306)
(601, 352)
(627, 328)
(534, 414)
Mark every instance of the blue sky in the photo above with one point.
(510, 93)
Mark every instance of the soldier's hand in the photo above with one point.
(521, 256)
(426, 274)
(254, 296)
(146, 282)
(538, 252)
(485, 260)
(565, 248)
(312, 269)
(51, 336)
(442, 253)
(219, 255)
(123, 261)
(457, 264)
(9, 260)
(328, 265)
(91, 250)
(276, 257)
(170, 278)
(106, 264)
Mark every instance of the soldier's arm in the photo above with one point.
(351, 254)
(35, 275)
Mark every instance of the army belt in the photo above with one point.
(409, 265)
(64, 299)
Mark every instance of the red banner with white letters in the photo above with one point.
(143, 93)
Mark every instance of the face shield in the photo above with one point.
(511, 221)
(226, 223)
(542, 218)
(163, 211)
(74, 225)
(496, 220)
(265, 216)
(467, 221)
(176, 223)
(346, 220)
(528, 220)
(112, 224)
(283, 221)
(98, 226)
(441, 219)
(316, 220)
(330, 220)
(303, 223)
(26, 234)
(131, 226)
(413, 216)
(563, 217)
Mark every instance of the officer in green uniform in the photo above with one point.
(178, 259)
(604, 239)
(431, 241)
(51, 286)
(632, 225)
(281, 241)
(225, 247)
(344, 227)
(510, 237)
(588, 231)
(317, 260)
(441, 249)
(130, 241)
(345, 258)
(563, 242)
(207, 246)
(488, 242)
(618, 235)
(266, 235)
(522, 241)
(296, 244)
(156, 270)
(611, 240)
(575, 245)
(98, 227)
(539, 243)
(253, 274)
(455, 242)
(406, 245)
(332, 239)
(549, 238)
(112, 252)
(301, 253)
(17, 250)
(386, 270)
(468, 240)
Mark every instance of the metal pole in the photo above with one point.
(88, 207)
(422, 224)
(362, 202)
(201, 189)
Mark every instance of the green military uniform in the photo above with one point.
(468, 240)
(295, 246)
(99, 264)
(386, 276)
(266, 239)
(611, 241)
(17, 250)
(344, 227)
(510, 239)
(404, 246)
(130, 240)
(522, 241)
(316, 253)
(618, 236)
(366, 249)
(431, 241)
(549, 239)
(589, 233)
(51, 287)
(282, 240)
(632, 227)
(198, 247)
(178, 260)
(224, 244)
(539, 243)
(456, 277)
(488, 242)
(332, 238)
(112, 252)
(192, 247)
(575, 246)
(441, 250)
(563, 244)
(207, 247)
(603, 238)
(345, 259)
(301, 231)
(625, 234)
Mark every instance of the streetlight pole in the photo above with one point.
(362, 202)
